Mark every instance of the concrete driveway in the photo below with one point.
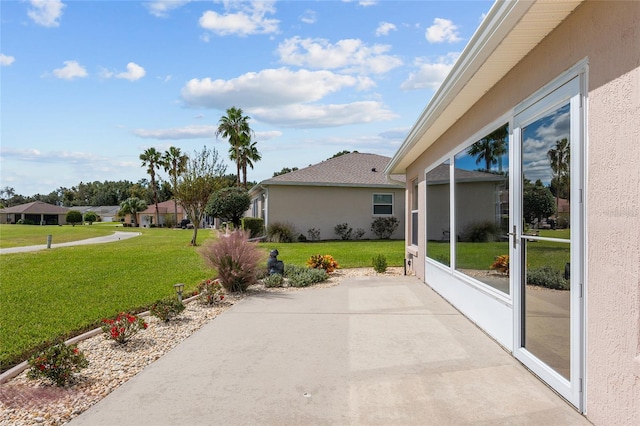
(371, 351)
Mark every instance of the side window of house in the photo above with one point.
(414, 212)
(383, 204)
(438, 213)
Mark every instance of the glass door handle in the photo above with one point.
(513, 234)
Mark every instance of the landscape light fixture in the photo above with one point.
(179, 287)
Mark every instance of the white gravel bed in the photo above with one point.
(35, 402)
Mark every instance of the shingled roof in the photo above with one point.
(354, 169)
(36, 207)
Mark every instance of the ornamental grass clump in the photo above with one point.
(57, 363)
(323, 261)
(123, 327)
(236, 260)
(165, 309)
(210, 292)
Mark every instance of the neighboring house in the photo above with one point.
(166, 214)
(351, 188)
(105, 213)
(37, 212)
(549, 71)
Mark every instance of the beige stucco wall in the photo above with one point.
(323, 208)
(608, 34)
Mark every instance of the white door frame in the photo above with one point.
(568, 88)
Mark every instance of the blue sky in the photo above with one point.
(87, 86)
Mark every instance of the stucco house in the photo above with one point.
(36, 212)
(105, 213)
(350, 188)
(561, 78)
(166, 214)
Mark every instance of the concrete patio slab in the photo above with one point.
(373, 350)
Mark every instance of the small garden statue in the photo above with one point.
(275, 266)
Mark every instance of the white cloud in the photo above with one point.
(161, 8)
(5, 60)
(250, 18)
(32, 154)
(71, 70)
(134, 72)
(309, 17)
(268, 88)
(384, 28)
(186, 132)
(268, 135)
(46, 12)
(442, 30)
(349, 55)
(194, 132)
(429, 74)
(319, 116)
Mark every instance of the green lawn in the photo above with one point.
(64, 291)
(481, 255)
(32, 235)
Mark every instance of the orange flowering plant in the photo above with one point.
(501, 264)
(57, 363)
(123, 327)
(323, 261)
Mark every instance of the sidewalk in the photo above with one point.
(373, 350)
(116, 236)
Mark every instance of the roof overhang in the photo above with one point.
(508, 33)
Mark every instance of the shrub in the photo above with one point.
(305, 277)
(235, 258)
(254, 225)
(73, 217)
(123, 327)
(359, 233)
(279, 232)
(273, 280)
(480, 232)
(90, 217)
(343, 231)
(548, 277)
(302, 238)
(501, 264)
(314, 234)
(210, 292)
(57, 363)
(165, 309)
(379, 262)
(384, 227)
(320, 261)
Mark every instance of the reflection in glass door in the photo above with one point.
(547, 239)
(546, 242)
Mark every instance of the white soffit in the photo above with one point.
(508, 33)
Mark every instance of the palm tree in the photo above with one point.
(235, 127)
(559, 159)
(174, 163)
(491, 148)
(152, 159)
(132, 206)
(248, 153)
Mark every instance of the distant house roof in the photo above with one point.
(440, 174)
(99, 210)
(163, 208)
(36, 207)
(354, 169)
